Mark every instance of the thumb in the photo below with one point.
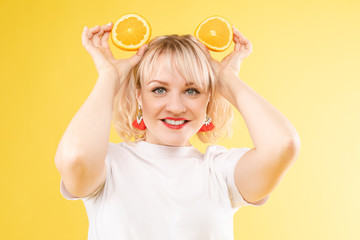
(136, 58)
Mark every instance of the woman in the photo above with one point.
(159, 186)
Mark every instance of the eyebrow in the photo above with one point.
(165, 83)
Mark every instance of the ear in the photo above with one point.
(138, 96)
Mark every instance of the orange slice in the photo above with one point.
(130, 32)
(215, 32)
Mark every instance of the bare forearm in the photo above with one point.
(87, 135)
(267, 126)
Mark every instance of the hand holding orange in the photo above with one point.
(95, 41)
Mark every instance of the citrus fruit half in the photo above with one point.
(215, 32)
(130, 32)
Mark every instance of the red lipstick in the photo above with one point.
(175, 126)
(176, 119)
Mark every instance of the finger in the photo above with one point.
(237, 43)
(104, 40)
(86, 42)
(105, 44)
(92, 31)
(236, 31)
(97, 55)
(108, 26)
(237, 47)
(97, 37)
(84, 37)
(241, 42)
(236, 39)
(238, 34)
(136, 58)
(100, 35)
(141, 50)
(249, 47)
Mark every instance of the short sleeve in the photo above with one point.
(225, 161)
(67, 195)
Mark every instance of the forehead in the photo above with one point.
(182, 67)
(166, 71)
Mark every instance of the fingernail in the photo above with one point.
(85, 28)
(109, 23)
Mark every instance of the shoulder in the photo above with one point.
(221, 152)
(120, 146)
(214, 150)
(123, 150)
(116, 149)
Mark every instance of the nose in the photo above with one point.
(175, 104)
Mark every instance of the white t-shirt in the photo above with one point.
(161, 192)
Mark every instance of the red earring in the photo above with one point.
(208, 125)
(139, 122)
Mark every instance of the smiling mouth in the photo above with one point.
(174, 122)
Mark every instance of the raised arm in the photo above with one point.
(80, 157)
(82, 149)
(276, 140)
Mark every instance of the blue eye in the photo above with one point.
(159, 90)
(192, 91)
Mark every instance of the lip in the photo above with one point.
(176, 119)
(175, 126)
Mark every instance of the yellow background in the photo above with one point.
(305, 62)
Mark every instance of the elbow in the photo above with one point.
(293, 142)
(292, 149)
(64, 163)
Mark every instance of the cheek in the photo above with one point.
(201, 104)
(198, 108)
(151, 106)
(152, 102)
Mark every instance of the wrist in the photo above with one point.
(112, 78)
(109, 73)
(229, 84)
(227, 75)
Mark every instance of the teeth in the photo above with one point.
(172, 122)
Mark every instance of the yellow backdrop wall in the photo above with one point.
(305, 62)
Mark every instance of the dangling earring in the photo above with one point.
(208, 125)
(139, 122)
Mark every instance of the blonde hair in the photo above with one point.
(186, 54)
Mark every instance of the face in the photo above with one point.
(172, 110)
